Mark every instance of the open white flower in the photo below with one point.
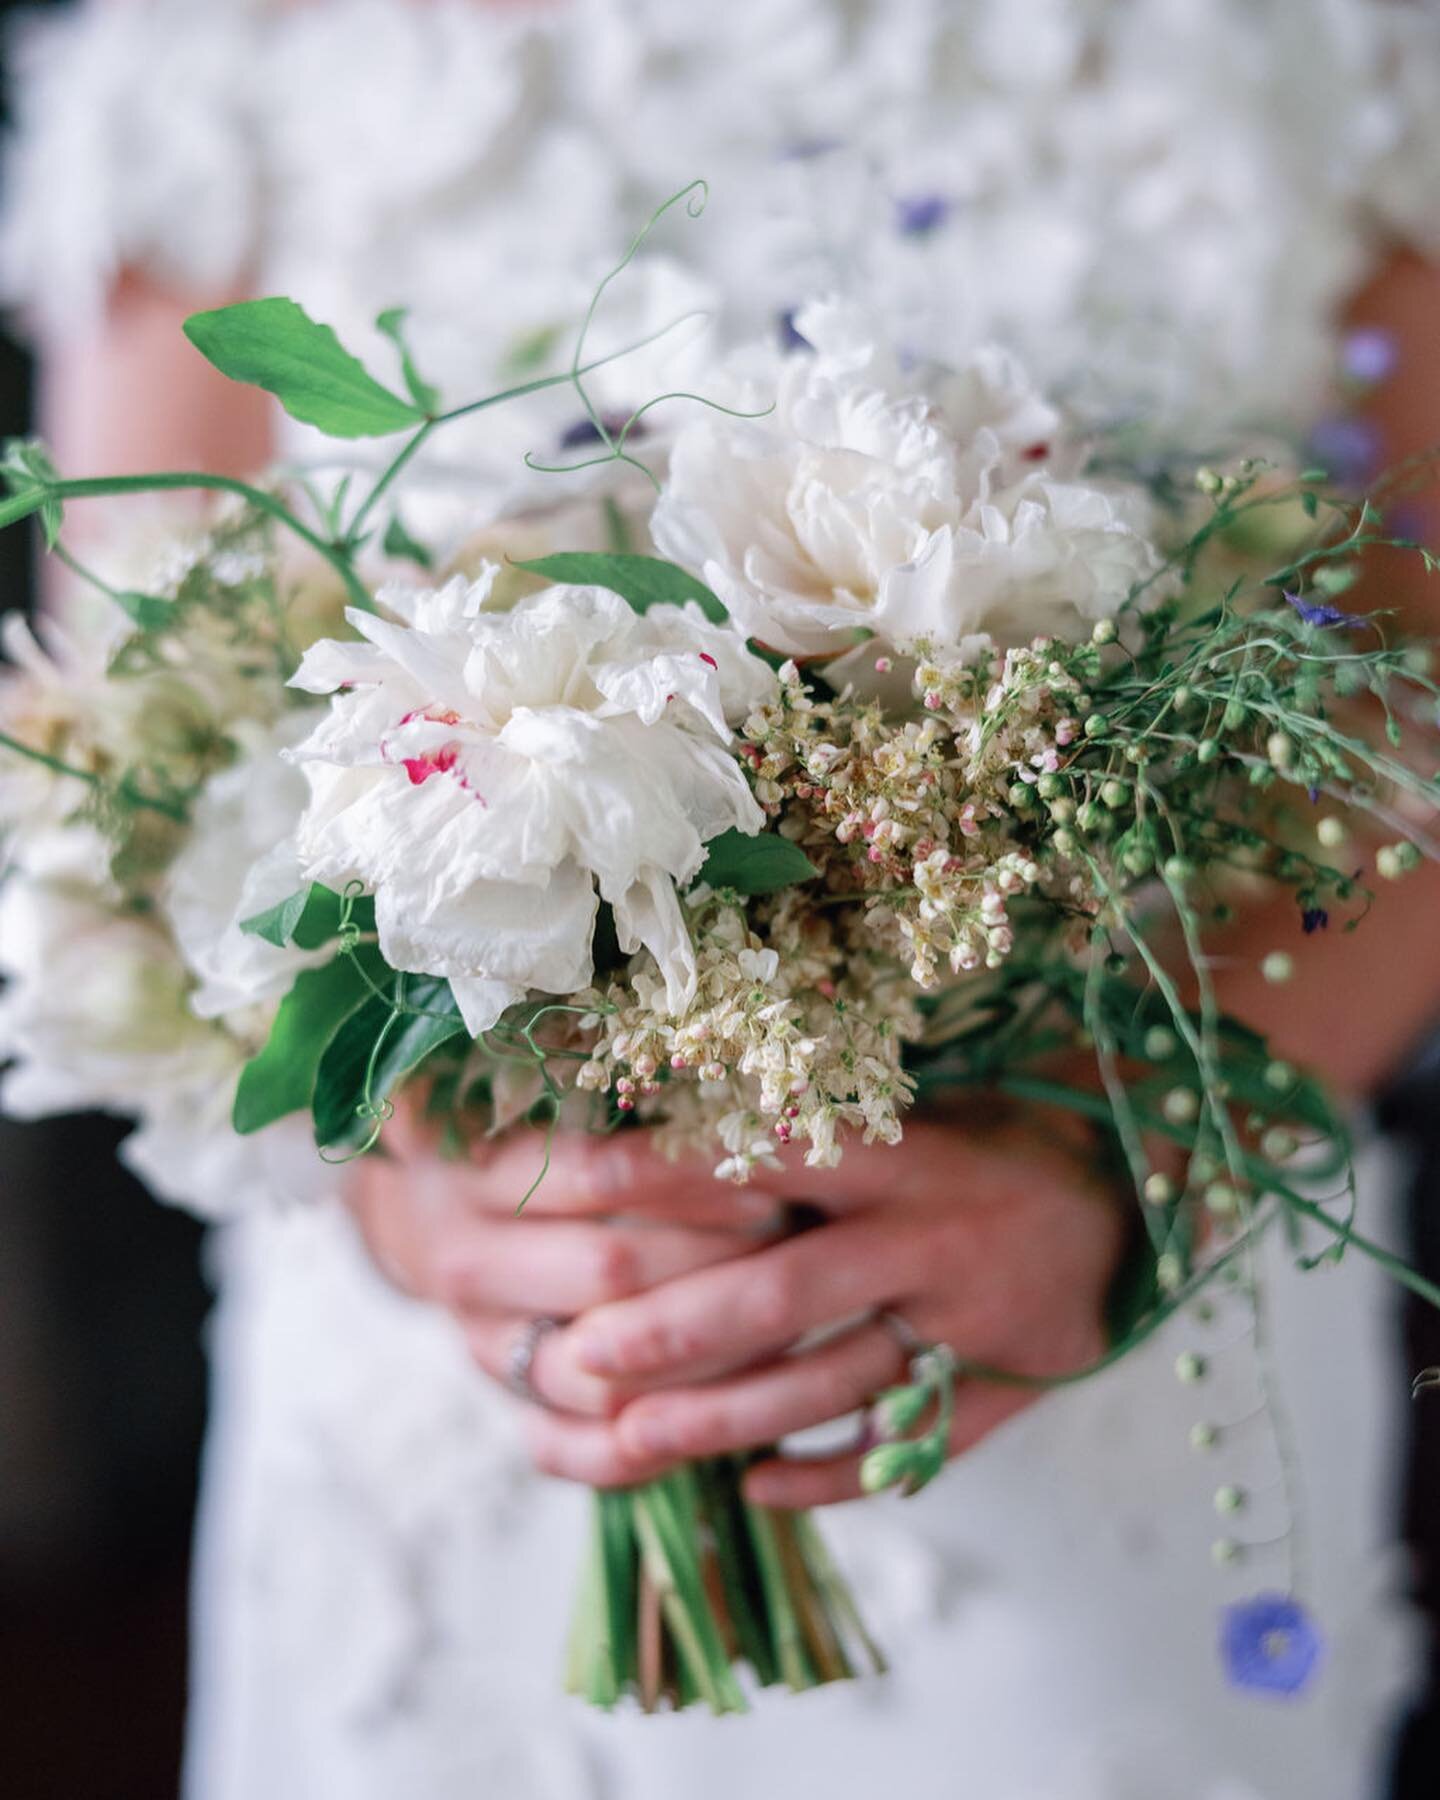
(239, 859)
(860, 506)
(483, 773)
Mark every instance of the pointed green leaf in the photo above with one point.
(392, 323)
(340, 1080)
(644, 581)
(275, 344)
(308, 918)
(27, 469)
(398, 542)
(281, 1079)
(149, 611)
(755, 865)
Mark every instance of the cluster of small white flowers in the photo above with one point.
(788, 1038)
(901, 814)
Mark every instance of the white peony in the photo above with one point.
(240, 859)
(484, 772)
(861, 506)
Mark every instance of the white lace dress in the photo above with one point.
(1167, 197)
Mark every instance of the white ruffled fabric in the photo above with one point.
(384, 1589)
(1160, 202)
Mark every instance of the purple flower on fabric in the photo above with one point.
(1269, 1644)
(1369, 354)
(1314, 918)
(807, 149)
(790, 338)
(919, 214)
(1350, 448)
(1319, 612)
(585, 431)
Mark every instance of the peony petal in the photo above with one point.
(649, 914)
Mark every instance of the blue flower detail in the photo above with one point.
(1317, 612)
(1369, 354)
(1350, 448)
(808, 149)
(1314, 918)
(585, 431)
(920, 214)
(1269, 1644)
(790, 338)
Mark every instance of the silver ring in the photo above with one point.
(909, 1341)
(520, 1357)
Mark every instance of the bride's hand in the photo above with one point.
(447, 1232)
(999, 1243)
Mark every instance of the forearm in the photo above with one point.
(1359, 1001)
(136, 397)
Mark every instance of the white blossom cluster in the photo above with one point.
(528, 778)
(128, 984)
(793, 1033)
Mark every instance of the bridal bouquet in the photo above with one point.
(879, 744)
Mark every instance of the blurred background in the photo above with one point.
(102, 1394)
(102, 1400)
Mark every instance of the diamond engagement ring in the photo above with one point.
(520, 1358)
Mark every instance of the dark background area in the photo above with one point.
(102, 1311)
(102, 1392)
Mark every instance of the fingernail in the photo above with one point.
(595, 1354)
(652, 1436)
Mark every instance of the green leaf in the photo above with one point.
(28, 469)
(529, 354)
(340, 1079)
(755, 865)
(281, 1079)
(275, 344)
(398, 542)
(392, 323)
(644, 581)
(309, 918)
(149, 611)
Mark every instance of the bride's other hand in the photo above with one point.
(610, 1220)
(1000, 1243)
(685, 1306)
